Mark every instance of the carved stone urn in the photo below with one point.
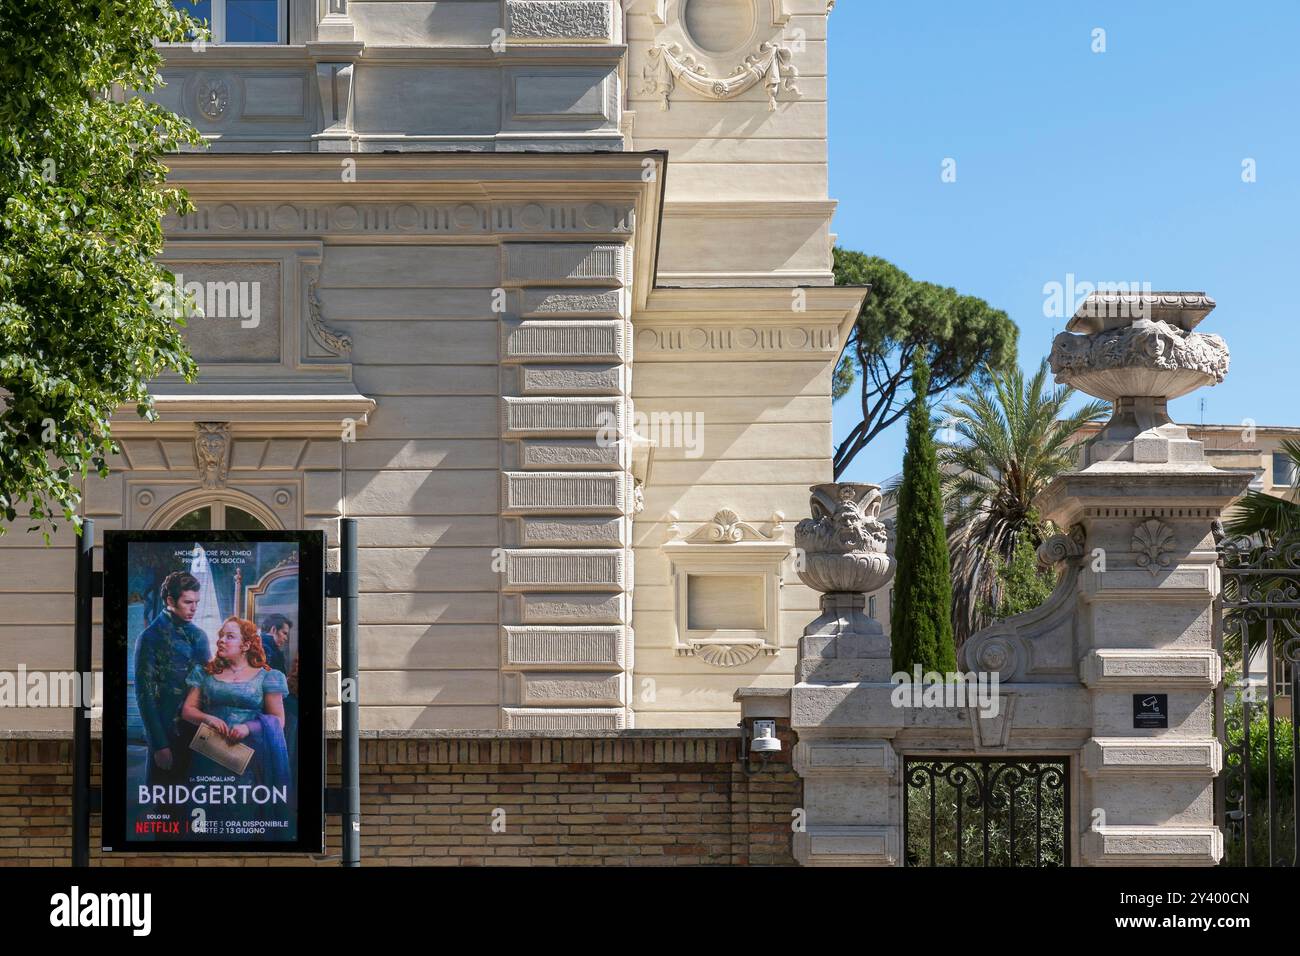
(843, 553)
(1138, 351)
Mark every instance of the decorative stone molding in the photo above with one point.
(334, 83)
(732, 550)
(571, 648)
(543, 719)
(846, 758)
(1146, 345)
(559, 20)
(553, 339)
(1153, 846)
(1173, 756)
(726, 528)
(847, 846)
(334, 342)
(1036, 645)
(212, 97)
(212, 451)
(576, 492)
(1153, 542)
(844, 543)
(772, 65)
(403, 218)
(1109, 668)
(733, 339)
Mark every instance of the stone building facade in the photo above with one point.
(540, 292)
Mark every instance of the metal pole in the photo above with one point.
(351, 706)
(85, 558)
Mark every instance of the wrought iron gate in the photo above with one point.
(986, 811)
(1258, 707)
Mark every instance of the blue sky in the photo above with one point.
(1117, 166)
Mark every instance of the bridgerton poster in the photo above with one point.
(213, 678)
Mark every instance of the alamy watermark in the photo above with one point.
(212, 300)
(24, 688)
(683, 430)
(978, 689)
(1061, 300)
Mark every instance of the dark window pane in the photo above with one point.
(198, 520)
(1283, 470)
(238, 519)
(252, 21)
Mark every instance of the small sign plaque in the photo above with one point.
(1151, 710)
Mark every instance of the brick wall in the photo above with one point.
(638, 798)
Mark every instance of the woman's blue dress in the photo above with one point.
(243, 702)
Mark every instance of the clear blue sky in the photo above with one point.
(1117, 166)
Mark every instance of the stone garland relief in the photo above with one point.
(740, 54)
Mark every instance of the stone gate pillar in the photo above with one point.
(1143, 501)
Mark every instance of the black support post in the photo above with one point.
(351, 707)
(85, 557)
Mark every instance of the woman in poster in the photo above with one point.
(241, 697)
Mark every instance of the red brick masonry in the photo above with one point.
(636, 798)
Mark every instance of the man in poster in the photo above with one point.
(169, 648)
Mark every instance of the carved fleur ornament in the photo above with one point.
(1153, 540)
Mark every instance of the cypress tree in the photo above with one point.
(921, 616)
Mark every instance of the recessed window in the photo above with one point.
(240, 21)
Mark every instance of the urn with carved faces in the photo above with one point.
(844, 545)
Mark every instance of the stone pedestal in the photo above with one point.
(1144, 503)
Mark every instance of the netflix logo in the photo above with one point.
(158, 826)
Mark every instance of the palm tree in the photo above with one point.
(1007, 443)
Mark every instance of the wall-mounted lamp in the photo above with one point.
(762, 741)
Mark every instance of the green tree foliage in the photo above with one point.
(921, 622)
(1007, 442)
(1021, 584)
(82, 197)
(902, 320)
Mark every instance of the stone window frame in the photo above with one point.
(176, 507)
(727, 547)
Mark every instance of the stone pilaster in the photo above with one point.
(567, 488)
(1145, 501)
